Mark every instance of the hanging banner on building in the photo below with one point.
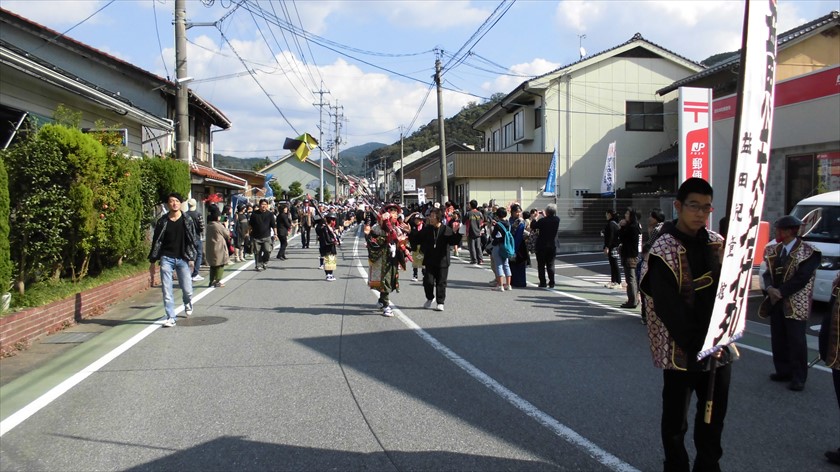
(754, 128)
(695, 117)
(550, 188)
(608, 180)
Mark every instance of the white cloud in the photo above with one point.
(519, 74)
(433, 14)
(66, 13)
(579, 14)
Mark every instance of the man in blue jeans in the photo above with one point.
(173, 244)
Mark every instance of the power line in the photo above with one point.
(72, 27)
(495, 16)
(253, 76)
(160, 45)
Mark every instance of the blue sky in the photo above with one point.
(381, 82)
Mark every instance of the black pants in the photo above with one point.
(545, 263)
(677, 390)
(434, 283)
(474, 245)
(615, 275)
(284, 242)
(304, 236)
(790, 349)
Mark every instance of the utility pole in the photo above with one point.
(182, 113)
(337, 142)
(443, 184)
(321, 136)
(402, 173)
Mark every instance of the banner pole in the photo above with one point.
(710, 392)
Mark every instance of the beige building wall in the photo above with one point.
(593, 102)
(505, 191)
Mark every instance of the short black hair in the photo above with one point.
(657, 215)
(263, 200)
(176, 195)
(501, 212)
(694, 185)
(473, 204)
(437, 212)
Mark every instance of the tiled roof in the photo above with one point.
(215, 174)
(222, 120)
(668, 156)
(781, 39)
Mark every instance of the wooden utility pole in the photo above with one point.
(402, 173)
(443, 184)
(182, 103)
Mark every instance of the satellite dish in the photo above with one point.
(582, 53)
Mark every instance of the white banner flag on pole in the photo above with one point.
(754, 130)
(608, 180)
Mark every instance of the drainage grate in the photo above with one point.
(68, 338)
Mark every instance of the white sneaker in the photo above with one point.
(439, 307)
(188, 309)
(169, 323)
(414, 279)
(321, 267)
(508, 287)
(198, 278)
(428, 304)
(387, 312)
(331, 278)
(499, 288)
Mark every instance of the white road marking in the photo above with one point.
(36, 405)
(559, 429)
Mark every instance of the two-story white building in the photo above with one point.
(581, 108)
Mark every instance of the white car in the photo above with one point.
(821, 217)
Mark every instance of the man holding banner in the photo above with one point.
(679, 283)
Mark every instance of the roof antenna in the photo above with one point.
(581, 37)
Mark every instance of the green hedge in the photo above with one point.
(5, 262)
(78, 207)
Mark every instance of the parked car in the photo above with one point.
(821, 217)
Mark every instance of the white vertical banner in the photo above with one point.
(608, 180)
(695, 145)
(754, 126)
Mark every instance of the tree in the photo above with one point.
(295, 189)
(261, 164)
(276, 188)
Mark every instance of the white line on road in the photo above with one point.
(556, 427)
(30, 409)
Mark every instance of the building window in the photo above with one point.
(808, 175)
(497, 145)
(644, 116)
(519, 125)
(537, 118)
(508, 138)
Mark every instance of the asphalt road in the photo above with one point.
(282, 370)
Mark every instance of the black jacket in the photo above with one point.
(630, 235)
(548, 226)
(435, 244)
(189, 237)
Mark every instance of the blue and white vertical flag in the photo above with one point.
(551, 178)
(608, 181)
(269, 192)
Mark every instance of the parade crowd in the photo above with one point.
(670, 270)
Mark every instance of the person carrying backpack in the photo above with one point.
(503, 250)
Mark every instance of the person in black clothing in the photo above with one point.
(327, 242)
(630, 235)
(284, 226)
(173, 244)
(679, 282)
(611, 242)
(307, 220)
(545, 248)
(261, 224)
(434, 240)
